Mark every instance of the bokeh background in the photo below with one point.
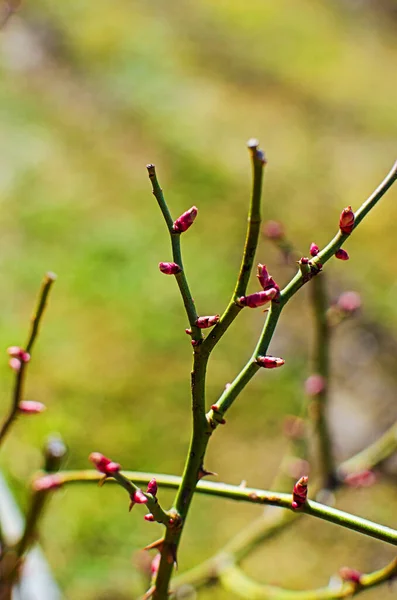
(90, 93)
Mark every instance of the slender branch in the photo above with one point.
(20, 374)
(372, 455)
(176, 254)
(319, 401)
(251, 368)
(234, 580)
(250, 246)
(255, 496)
(152, 503)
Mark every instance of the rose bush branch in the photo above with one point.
(20, 358)
(304, 274)
(352, 583)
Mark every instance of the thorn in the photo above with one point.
(204, 473)
(157, 545)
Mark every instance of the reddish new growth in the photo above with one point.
(341, 254)
(314, 385)
(204, 322)
(18, 356)
(169, 268)
(31, 407)
(138, 497)
(266, 280)
(104, 465)
(314, 249)
(348, 574)
(270, 362)
(47, 482)
(299, 493)
(258, 298)
(152, 487)
(185, 220)
(346, 220)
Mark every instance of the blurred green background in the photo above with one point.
(90, 93)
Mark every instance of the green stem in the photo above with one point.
(371, 456)
(176, 255)
(152, 503)
(234, 580)
(20, 375)
(318, 404)
(250, 246)
(253, 495)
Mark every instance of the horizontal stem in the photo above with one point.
(256, 496)
(372, 455)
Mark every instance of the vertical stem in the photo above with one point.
(320, 361)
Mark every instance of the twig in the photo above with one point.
(252, 495)
(234, 580)
(319, 400)
(20, 374)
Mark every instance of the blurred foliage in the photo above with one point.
(92, 92)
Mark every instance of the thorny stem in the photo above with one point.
(202, 425)
(152, 504)
(176, 255)
(233, 579)
(250, 246)
(250, 369)
(20, 374)
(318, 404)
(252, 495)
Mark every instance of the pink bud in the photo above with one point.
(155, 563)
(139, 497)
(104, 465)
(152, 487)
(186, 220)
(346, 220)
(17, 352)
(341, 254)
(204, 322)
(349, 302)
(273, 230)
(299, 493)
(270, 362)
(258, 298)
(149, 517)
(15, 364)
(266, 280)
(169, 268)
(31, 407)
(314, 249)
(47, 482)
(348, 574)
(314, 385)
(364, 478)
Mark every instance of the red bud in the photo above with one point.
(270, 362)
(169, 268)
(299, 493)
(149, 517)
(31, 407)
(273, 230)
(204, 322)
(346, 220)
(266, 280)
(341, 254)
(185, 220)
(15, 364)
(104, 465)
(314, 249)
(152, 487)
(348, 574)
(258, 298)
(17, 352)
(314, 385)
(349, 302)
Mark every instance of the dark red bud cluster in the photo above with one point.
(299, 493)
(346, 220)
(104, 465)
(185, 220)
(169, 268)
(270, 362)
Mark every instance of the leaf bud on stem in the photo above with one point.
(346, 220)
(169, 268)
(183, 222)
